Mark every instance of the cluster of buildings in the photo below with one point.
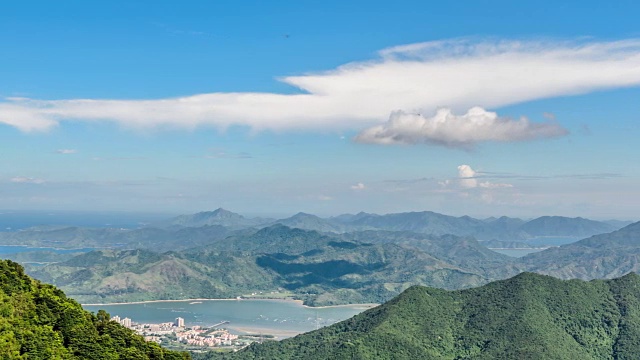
(197, 336)
(176, 332)
(126, 322)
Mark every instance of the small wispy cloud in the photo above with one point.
(469, 179)
(225, 155)
(177, 31)
(118, 158)
(26, 180)
(358, 186)
(66, 151)
(411, 181)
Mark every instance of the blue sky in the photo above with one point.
(270, 108)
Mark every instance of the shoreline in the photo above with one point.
(541, 248)
(364, 305)
(56, 248)
(298, 302)
(279, 334)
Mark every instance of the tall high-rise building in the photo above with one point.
(126, 322)
(179, 322)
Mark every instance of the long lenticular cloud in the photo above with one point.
(457, 74)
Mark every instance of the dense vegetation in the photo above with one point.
(37, 321)
(529, 316)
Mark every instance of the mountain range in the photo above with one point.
(528, 316)
(322, 269)
(600, 256)
(327, 268)
(426, 222)
(199, 229)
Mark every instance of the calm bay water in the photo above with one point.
(285, 318)
(540, 243)
(14, 249)
(516, 252)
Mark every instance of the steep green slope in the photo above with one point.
(529, 316)
(37, 321)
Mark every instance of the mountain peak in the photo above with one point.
(223, 213)
(304, 215)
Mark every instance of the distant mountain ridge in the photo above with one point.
(219, 217)
(426, 222)
(563, 226)
(198, 229)
(600, 256)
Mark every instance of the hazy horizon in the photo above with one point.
(267, 109)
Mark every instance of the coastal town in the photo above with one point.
(177, 335)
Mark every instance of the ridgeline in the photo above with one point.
(37, 321)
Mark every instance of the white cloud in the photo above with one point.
(490, 185)
(358, 186)
(26, 180)
(456, 74)
(448, 129)
(66, 151)
(468, 179)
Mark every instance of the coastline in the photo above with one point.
(532, 248)
(279, 334)
(181, 300)
(56, 248)
(365, 306)
(298, 302)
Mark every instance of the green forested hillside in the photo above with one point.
(529, 316)
(37, 321)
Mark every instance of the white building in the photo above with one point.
(179, 322)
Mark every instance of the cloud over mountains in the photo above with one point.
(402, 81)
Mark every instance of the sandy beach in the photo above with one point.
(161, 301)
